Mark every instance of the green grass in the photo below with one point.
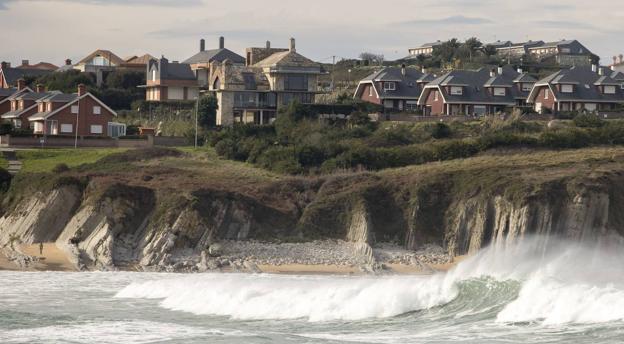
(3, 162)
(44, 160)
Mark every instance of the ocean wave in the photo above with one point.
(540, 280)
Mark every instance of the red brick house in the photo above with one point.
(6, 95)
(61, 114)
(576, 89)
(476, 92)
(23, 105)
(394, 88)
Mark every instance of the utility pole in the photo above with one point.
(333, 73)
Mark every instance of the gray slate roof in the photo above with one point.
(406, 86)
(14, 74)
(218, 55)
(586, 90)
(475, 84)
(7, 92)
(179, 71)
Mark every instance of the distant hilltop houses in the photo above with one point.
(563, 53)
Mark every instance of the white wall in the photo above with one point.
(176, 93)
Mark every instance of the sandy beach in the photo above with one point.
(51, 259)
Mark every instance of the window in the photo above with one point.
(389, 86)
(21, 105)
(48, 106)
(457, 90)
(41, 107)
(567, 88)
(154, 75)
(67, 128)
(546, 93)
(97, 110)
(13, 106)
(499, 91)
(411, 105)
(435, 95)
(296, 83)
(370, 91)
(38, 127)
(96, 129)
(74, 109)
(609, 89)
(590, 107)
(18, 123)
(527, 87)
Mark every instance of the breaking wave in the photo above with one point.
(538, 280)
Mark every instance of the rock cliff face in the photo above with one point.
(131, 227)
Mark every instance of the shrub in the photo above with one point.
(5, 179)
(565, 138)
(60, 168)
(441, 131)
(280, 159)
(6, 128)
(586, 120)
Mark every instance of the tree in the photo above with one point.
(372, 58)
(447, 50)
(207, 112)
(489, 50)
(472, 45)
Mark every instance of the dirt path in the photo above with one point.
(52, 259)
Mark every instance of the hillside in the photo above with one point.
(165, 209)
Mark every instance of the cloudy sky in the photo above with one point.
(53, 30)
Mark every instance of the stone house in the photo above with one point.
(253, 93)
(200, 62)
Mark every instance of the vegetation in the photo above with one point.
(49, 160)
(299, 143)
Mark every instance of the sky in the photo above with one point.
(54, 30)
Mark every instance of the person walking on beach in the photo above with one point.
(41, 248)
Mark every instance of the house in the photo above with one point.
(10, 75)
(7, 94)
(515, 50)
(255, 55)
(578, 88)
(618, 63)
(98, 61)
(254, 93)
(395, 88)
(425, 49)
(23, 105)
(64, 114)
(476, 92)
(168, 81)
(41, 65)
(137, 63)
(563, 53)
(200, 62)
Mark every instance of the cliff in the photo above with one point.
(140, 210)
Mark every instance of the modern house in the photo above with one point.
(425, 49)
(170, 81)
(254, 93)
(563, 53)
(64, 114)
(395, 88)
(576, 89)
(515, 50)
(99, 60)
(200, 62)
(479, 92)
(10, 75)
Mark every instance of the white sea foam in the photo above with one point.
(562, 282)
(130, 332)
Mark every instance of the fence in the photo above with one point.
(99, 142)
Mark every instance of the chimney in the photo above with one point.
(40, 88)
(68, 62)
(403, 71)
(221, 42)
(82, 90)
(21, 84)
(594, 68)
(423, 70)
(600, 71)
(492, 72)
(268, 44)
(202, 45)
(292, 45)
(25, 63)
(500, 70)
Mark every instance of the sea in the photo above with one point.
(536, 291)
